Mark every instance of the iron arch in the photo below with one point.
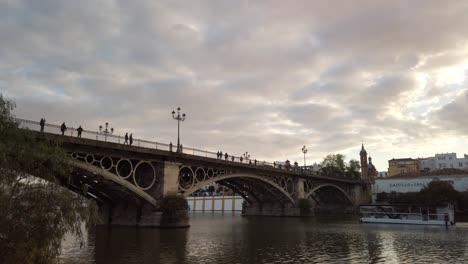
(330, 185)
(116, 179)
(198, 186)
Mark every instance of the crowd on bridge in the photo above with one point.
(79, 130)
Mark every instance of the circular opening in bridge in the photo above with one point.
(89, 158)
(124, 168)
(290, 186)
(282, 183)
(106, 163)
(210, 173)
(144, 175)
(185, 178)
(200, 174)
(74, 155)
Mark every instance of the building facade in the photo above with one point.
(402, 166)
(382, 174)
(415, 184)
(444, 161)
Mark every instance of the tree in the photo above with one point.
(352, 170)
(439, 192)
(36, 211)
(335, 164)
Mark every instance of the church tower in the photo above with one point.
(364, 166)
(371, 171)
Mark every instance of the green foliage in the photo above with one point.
(439, 192)
(305, 206)
(36, 211)
(335, 165)
(173, 208)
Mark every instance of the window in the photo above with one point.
(460, 164)
(450, 158)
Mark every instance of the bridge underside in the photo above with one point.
(117, 204)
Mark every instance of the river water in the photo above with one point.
(230, 238)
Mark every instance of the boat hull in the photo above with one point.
(402, 221)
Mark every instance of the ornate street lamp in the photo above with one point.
(178, 118)
(106, 131)
(304, 150)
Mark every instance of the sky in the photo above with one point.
(267, 77)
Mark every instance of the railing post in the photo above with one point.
(156, 145)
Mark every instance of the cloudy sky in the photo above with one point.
(265, 77)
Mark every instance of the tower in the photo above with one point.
(364, 166)
(371, 171)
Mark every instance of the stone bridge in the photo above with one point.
(128, 181)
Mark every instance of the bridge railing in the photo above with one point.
(101, 136)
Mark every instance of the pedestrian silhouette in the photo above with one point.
(79, 130)
(181, 148)
(226, 156)
(170, 146)
(232, 158)
(241, 159)
(42, 124)
(126, 139)
(63, 128)
(130, 139)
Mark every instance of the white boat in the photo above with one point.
(407, 214)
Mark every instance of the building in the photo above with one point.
(443, 161)
(415, 184)
(403, 166)
(382, 174)
(314, 167)
(368, 170)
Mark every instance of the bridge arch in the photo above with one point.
(351, 201)
(116, 179)
(263, 179)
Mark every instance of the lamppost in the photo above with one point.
(304, 150)
(106, 131)
(246, 156)
(178, 118)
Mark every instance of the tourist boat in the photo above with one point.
(407, 214)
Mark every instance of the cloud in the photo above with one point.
(266, 78)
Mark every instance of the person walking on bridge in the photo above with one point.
(42, 124)
(79, 130)
(63, 128)
(126, 138)
(130, 139)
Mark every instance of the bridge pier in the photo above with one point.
(270, 209)
(135, 213)
(171, 175)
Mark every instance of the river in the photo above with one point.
(230, 238)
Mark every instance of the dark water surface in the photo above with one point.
(230, 238)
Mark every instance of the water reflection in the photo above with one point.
(230, 238)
